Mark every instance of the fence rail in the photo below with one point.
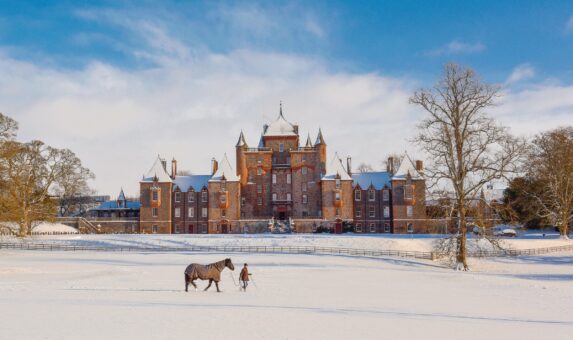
(279, 250)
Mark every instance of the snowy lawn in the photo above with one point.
(97, 295)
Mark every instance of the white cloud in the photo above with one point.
(457, 47)
(521, 72)
(569, 25)
(118, 120)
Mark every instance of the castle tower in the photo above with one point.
(241, 163)
(155, 197)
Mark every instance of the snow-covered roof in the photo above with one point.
(241, 140)
(197, 182)
(157, 171)
(319, 138)
(336, 168)
(280, 127)
(377, 179)
(225, 170)
(407, 167)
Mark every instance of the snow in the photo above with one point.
(336, 169)
(280, 127)
(225, 171)
(157, 170)
(46, 227)
(407, 167)
(101, 295)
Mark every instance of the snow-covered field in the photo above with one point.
(102, 295)
(419, 242)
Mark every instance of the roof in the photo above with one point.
(225, 171)
(112, 205)
(407, 167)
(308, 142)
(378, 179)
(241, 140)
(336, 168)
(280, 127)
(121, 196)
(319, 138)
(196, 182)
(157, 170)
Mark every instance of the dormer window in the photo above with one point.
(155, 195)
(357, 195)
(281, 147)
(191, 196)
(371, 194)
(338, 183)
(337, 196)
(204, 196)
(223, 185)
(177, 197)
(408, 192)
(385, 195)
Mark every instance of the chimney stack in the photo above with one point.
(349, 165)
(420, 166)
(390, 165)
(214, 166)
(173, 168)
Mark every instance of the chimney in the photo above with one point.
(390, 165)
(420, 166)
(349, 165)
(173, 168)
(214, 166)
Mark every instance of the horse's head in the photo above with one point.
(229, 264)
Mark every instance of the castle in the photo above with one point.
(283, 185)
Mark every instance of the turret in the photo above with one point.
(240, 156)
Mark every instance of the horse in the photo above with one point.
(211, 272)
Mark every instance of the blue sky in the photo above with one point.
(116, 78)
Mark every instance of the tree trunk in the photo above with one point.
(462, 238)
(564, 227)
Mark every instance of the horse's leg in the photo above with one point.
(217, 285)
(194, 285)
(186, 282)
(209, 285)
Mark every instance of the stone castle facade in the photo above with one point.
(283, 185)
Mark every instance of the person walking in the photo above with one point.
(244, 277)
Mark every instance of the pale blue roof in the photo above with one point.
(197, 182)
(111, 205)
(377, 179)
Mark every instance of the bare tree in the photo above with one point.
(550, 163)
(8, 128)
(466, 147)
(33, 174)
(363, 167)
(396, 159)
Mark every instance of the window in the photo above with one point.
(259, 201)
(259, 188)
(304, 199)
(372, 228)
(177, 197)
(337, 212)
(409, 211)
(191, 212)
(304, 186)
(223, 213)
(154, 229)
(204, 212)
(408, 192)
(288, 178)
(358, 212)
(251, 178)
(223, 199)
(385, 195)
(274, 178)
(177, 212)
(304, 170)
(177, 229)
(281, 147)
(371, 211)
(410, 228)
(371, 195)
(337, 196)
(386, 227)
(288, 196)
(288, 160)
(155, 195)
(274, 196)
(357, 195)
(191, 196)
(358, 228)
(386, 212)
(154, 212)
(305, 214)
(259, 171)
(338, 183)
(223, 185)
(243, 201)
(204, 196)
